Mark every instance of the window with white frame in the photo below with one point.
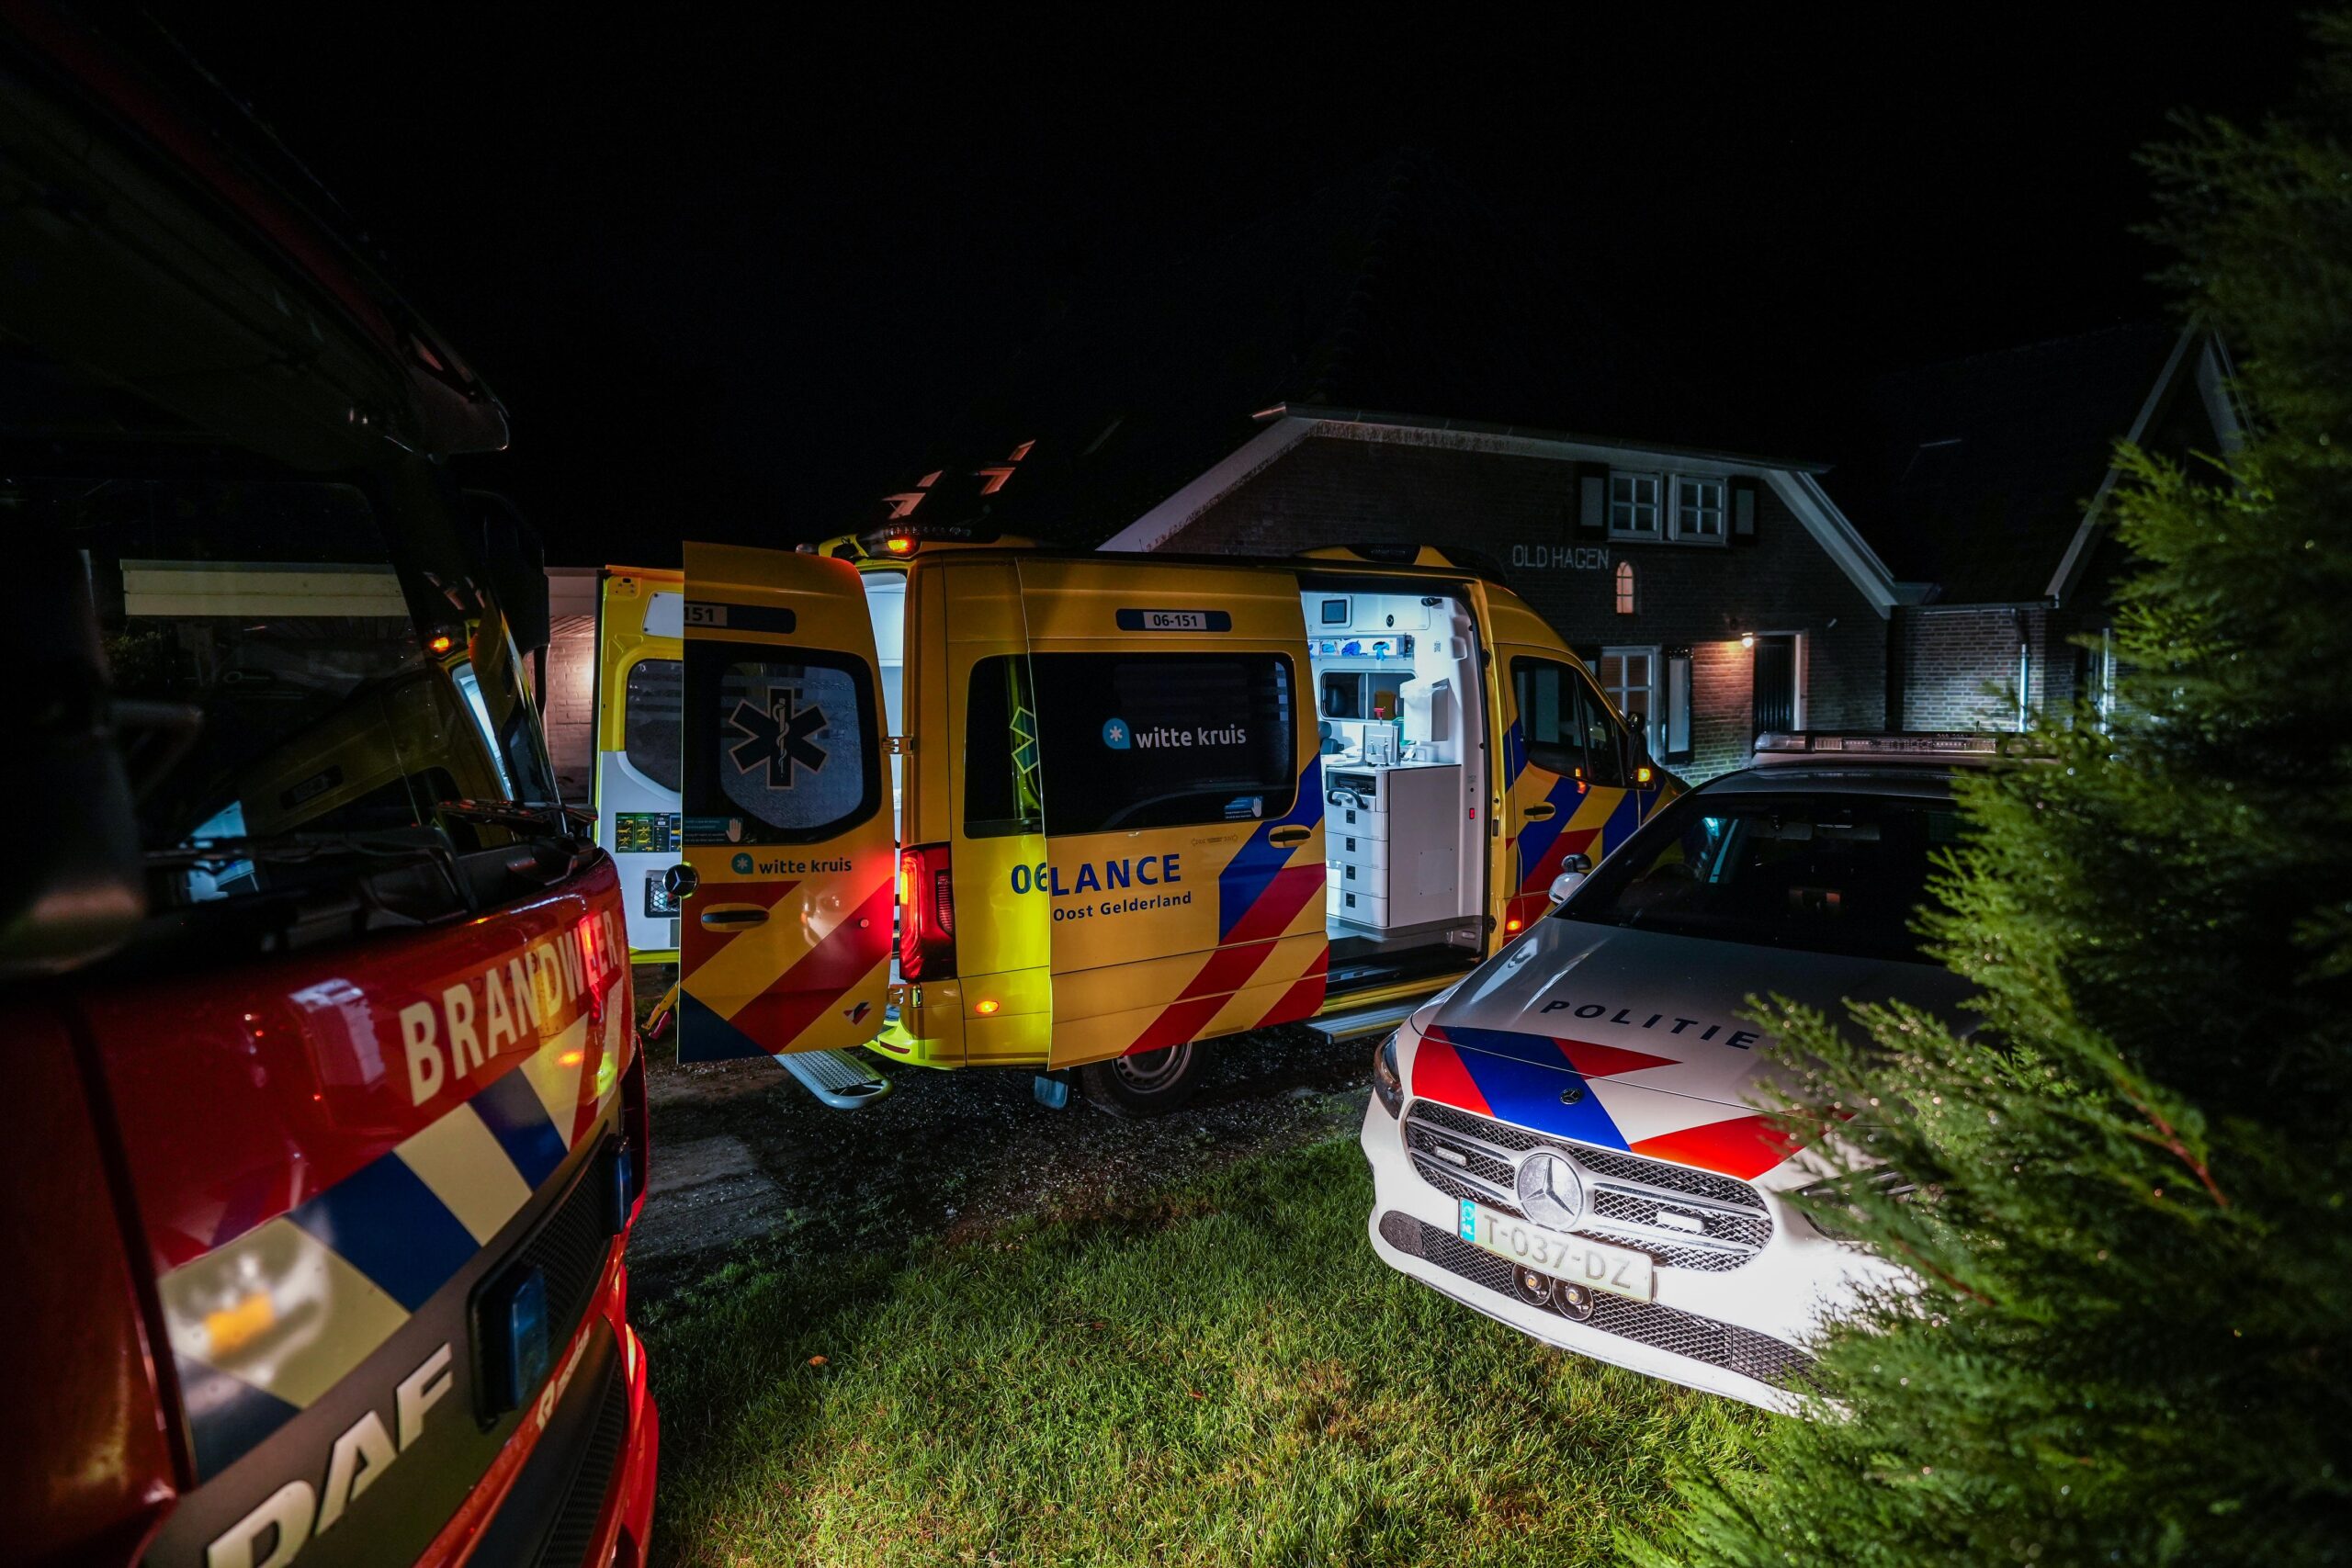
(1698, 509)
(1625, 588)
(1634, 504)
(1629, 676)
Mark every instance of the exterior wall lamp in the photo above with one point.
(1747, 639)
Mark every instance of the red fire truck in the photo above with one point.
(315, 1003)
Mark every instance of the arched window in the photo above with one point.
(1625, 588)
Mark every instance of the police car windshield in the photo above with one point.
(1820, 872)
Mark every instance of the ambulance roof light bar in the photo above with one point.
(900, 541)
(1878, 743)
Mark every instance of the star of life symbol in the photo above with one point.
(776, 737)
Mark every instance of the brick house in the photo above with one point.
(1714, 595)
(1983, 484)
(1226, 404)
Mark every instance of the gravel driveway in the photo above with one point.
(745, 1161)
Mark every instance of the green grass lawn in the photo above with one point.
(1223, 1373)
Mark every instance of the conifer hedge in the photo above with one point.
(2131, 1215)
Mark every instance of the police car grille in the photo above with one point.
(1633, 1199)
(1679, 1332)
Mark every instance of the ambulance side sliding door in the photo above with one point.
(1183, 873)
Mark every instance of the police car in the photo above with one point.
(1568, 1139)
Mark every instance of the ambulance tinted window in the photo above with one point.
(1003, 793)
(650, 719)
(1153, 740)
(782, 745)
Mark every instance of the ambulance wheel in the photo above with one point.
(1152, 1083)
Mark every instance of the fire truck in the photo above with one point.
(316, 1000)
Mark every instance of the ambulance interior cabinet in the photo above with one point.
(1392, 851)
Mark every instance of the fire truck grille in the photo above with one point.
(1685, 1333)
(574, 1530)
(1682, 1218)
(569, 1249)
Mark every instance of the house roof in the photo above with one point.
(1973, 475)
(1397, 288)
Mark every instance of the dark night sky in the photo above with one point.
(731, 276)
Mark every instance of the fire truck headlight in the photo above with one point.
(516, 1327)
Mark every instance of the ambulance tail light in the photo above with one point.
(926, 914)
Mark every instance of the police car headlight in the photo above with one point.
(1388, 1079)
(1830, 1206)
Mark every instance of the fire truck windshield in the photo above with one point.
(317, 680)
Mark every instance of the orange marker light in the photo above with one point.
(1513, 924)
(899, 545)
(986, 1008)
(1640, 775)
(441, 644)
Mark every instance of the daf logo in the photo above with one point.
(1549, 1191)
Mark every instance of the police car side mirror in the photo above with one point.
(1573, 871)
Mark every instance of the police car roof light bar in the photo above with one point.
(1884, 743)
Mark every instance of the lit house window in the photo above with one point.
(1630, 677)
(1634, 506)
(1698, 509)
(1625, 588)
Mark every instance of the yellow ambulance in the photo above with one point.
(968, 803)
(640, 669)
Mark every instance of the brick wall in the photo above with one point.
(1520, 510)
(1959, 667)
(570, 716)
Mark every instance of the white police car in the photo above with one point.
(1566, 1141)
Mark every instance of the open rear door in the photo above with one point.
(785, 937)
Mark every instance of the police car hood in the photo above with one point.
(1631, 1039)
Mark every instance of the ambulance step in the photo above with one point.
(842, 1079)
(1364, 1020)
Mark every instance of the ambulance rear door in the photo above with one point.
(1184, 802)
(639, 673)
(785, 933)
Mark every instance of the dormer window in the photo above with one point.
(1698, 510)
(1665, 507)
(1634, 504)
